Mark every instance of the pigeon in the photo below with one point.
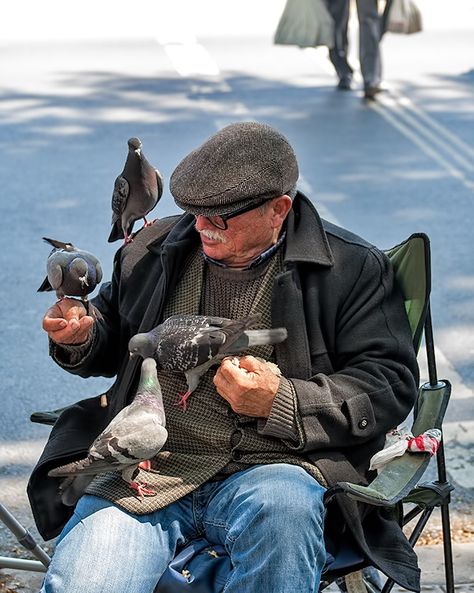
(71, 271)
(132, 438)
(193, 343)
(136, 192)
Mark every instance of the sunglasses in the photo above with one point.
(220, 221)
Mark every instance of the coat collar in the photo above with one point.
(306, 239)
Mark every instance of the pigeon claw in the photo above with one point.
(142, 489)
(183, 400)
(146, 223)
(145, 465)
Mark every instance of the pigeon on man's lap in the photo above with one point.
(135, 435)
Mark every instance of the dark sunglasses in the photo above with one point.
(220, 221)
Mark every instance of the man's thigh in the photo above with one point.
(275, 497)
(103, 548)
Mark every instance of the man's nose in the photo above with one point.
(202, 223)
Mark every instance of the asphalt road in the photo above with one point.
(69, 102)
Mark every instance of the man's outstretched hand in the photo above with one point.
(67, 322)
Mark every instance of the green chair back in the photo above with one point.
(411, 262)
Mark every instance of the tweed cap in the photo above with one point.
(242, 163)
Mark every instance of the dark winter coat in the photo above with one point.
(348, 354)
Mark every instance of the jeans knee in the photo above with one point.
(289, 499)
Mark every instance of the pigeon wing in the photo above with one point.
(98, 272)
(45, 286)
(55, 273)
(119, 200)
(159, 183)
(119, 197)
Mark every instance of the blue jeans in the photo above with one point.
(270, 518)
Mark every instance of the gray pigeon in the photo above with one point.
(193, 343)
(71, 271)
(136, 191)
(132, 438)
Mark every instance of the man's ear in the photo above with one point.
(281, 206)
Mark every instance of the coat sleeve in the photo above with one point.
(375, 381)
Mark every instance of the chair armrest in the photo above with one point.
(401, 475)
(391, 485)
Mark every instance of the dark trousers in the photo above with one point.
(369, 39)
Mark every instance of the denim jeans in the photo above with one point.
(270, 518)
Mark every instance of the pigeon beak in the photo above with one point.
(138, 152)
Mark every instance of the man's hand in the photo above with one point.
(250, 389)
(67, 322)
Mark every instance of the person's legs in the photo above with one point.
(369, 43)
(102, 548)
(270, 518)
(339, 10)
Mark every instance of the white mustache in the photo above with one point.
(213, 235)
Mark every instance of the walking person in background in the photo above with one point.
(369, 45)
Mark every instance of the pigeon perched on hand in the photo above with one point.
(71, 271)
(193, 343)
(136, 191)
(132, 438)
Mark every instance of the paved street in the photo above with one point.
(73, 90)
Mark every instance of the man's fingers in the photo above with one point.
(52, 324)
(67, 322)
(250, 363)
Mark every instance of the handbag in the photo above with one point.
(403, 17)
(198, 568)
(305, 23)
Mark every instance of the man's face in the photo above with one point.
(247, 234)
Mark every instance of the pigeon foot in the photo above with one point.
(142, 489)
(146, 223)
(183, 400)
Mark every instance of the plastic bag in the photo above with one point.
(400, 440)
(305, 23)
(404, 17)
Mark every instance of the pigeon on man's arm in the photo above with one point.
(131, 439)
(193, 343)
(136, 192)
(71, 271)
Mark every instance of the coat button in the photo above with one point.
(235, 438)
(236, 455)
(363, 423)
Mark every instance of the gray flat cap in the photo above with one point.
(243, 163)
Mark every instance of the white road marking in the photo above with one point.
(395, 113)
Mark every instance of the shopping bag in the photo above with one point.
(403, 17)
(305, 23)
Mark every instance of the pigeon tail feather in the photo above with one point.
(260, 337)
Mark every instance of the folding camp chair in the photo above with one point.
(397, 485)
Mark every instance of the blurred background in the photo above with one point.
(78, 79)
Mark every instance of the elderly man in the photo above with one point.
(247, 464)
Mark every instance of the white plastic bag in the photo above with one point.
(305, 23)
(404, 17)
